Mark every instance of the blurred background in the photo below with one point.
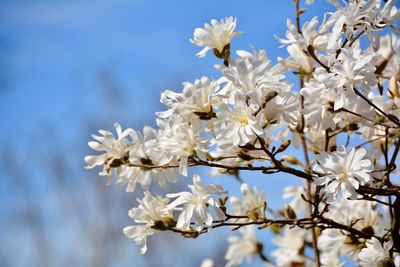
(69, 68)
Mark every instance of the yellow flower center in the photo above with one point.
(244, 121)
(343, 176)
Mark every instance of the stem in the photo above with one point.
(355, 38)
(309, 195)
(310, 50)
(297, 5)
(304, 223)
(396, 224)
(391, 118)
(365, 118)
(393, 191)
(304, 143)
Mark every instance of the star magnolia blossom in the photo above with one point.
(116, 150)
(180, 141)
(243, 247)
(290, 245)
(310, 35)
(207, 263)
(151, 212)
(376, 255)
(253, 203)
(195, 205)
(362, 215)
(215, 36)
(253, 75)
(245, 118)
(344, 170)
(145, 151)
(196, 100)
(239, 125)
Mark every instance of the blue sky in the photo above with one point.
(55, 51)
(60, 62)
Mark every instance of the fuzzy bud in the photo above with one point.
(394, 87)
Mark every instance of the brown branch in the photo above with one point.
(365, 118)
(378, 191)
(392, 118)
(305, 223)
(311, 52)
(396, 224)
(304, 144)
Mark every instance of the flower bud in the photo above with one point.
(291, 160)
(394, 87)
(289, 212)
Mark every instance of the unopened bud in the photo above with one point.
(291, 160)
(222, 201)
(244, 156)
(283, 146)
(275, 228)
(259, 247)
(191, 234)
(289, 212)
(394, 87)
(352, 127)
(387, 262)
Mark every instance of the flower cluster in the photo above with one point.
(340, 126)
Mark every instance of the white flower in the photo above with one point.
(253, 75)
(207, 263)
(331, 243)
(215, 36)
(145, 151)
(361, 215)
(298, 59)
(150, 212)
(130, 176)
(237, 124)
(282, 108)
(376, 255)
(139, 234)
(151, 209)
(355, 17)
(318, 106)
(196, 205)
(387, 51)
(297, 202)
(390, 14)
(253, 203)
(116, 150)
(331, 261)
(243, 247)
(290, 247)
(196, 100)
(354, 67)
(345, 170)
(310, 36)
(180, 141)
